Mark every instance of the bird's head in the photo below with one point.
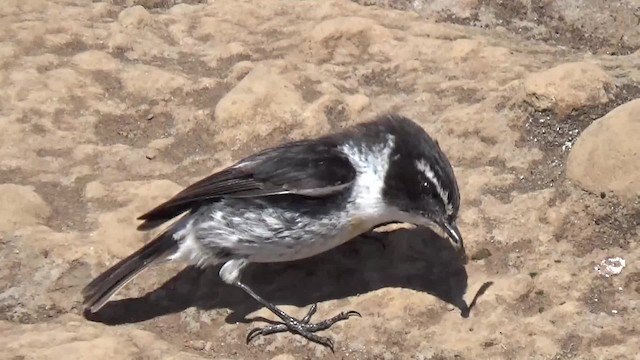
(421, 184)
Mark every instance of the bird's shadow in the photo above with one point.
(417, 259)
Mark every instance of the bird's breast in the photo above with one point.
(357, 226)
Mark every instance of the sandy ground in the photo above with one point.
(107, 109)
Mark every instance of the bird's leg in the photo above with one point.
(301, 327)
(230, 274)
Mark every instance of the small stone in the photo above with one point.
(135, 16)
(567, 87)
(151, 154)
(488, 344)
(481, 254)
(198, 345)
(611, 266)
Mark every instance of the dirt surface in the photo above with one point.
(107, 109)
(597, 26)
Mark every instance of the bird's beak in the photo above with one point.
(454, 236)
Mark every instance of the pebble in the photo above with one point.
(481, 254)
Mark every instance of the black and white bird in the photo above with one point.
(297, 200)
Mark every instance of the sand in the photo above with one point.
(108, 108)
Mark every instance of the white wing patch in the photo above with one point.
(444, 195)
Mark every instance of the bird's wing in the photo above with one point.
(302, 168)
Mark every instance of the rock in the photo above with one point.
(57, 40)
(283, 357)
(71, 337)
(227, 55)
(139, 197)
(96, 60)
(341, 39)
(357, 103)
(21, 206)
(606, 156)
(135, 79)
(567, 87)
(240, 70)
(260, 100)
(135, 17)
(182, 8)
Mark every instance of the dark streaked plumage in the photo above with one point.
(297, 200)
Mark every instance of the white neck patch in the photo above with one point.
(371, 166)
(444, 195)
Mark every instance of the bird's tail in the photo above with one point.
(103, 287)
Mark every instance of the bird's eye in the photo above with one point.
(428, 189)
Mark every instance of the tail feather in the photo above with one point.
(105, 285)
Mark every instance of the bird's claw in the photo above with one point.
(352, 313)
(310, 313)
(303, 327)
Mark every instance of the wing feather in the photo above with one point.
(302, 168)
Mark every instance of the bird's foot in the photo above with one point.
(304, 327)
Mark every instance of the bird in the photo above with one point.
(295, 200)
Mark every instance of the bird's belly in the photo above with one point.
(308, 245)
(261, 231)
